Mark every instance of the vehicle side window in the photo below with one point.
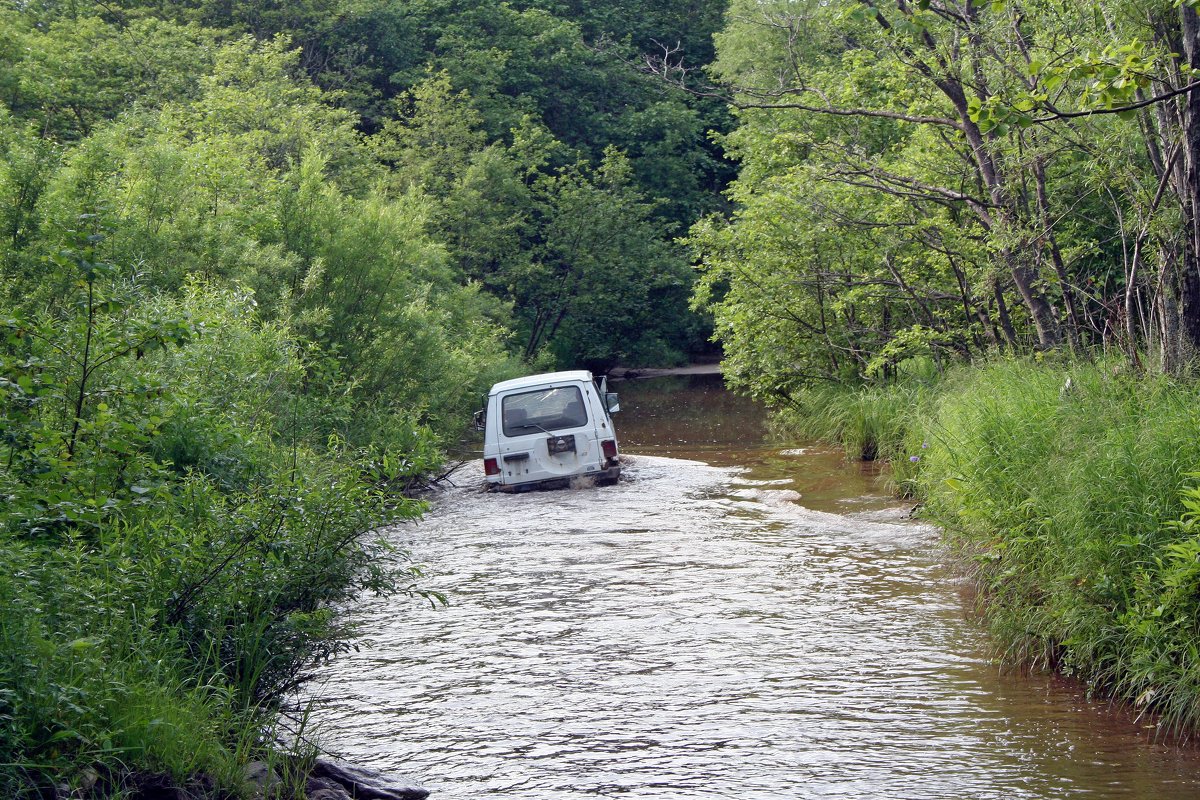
(545, 410)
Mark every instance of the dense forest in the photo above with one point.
(258, 260)
(945, 179)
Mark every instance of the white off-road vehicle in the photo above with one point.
(543, 431)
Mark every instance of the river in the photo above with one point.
(737, 618)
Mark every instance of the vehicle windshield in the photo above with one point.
(544, 410)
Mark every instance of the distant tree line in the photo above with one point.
(551, 175)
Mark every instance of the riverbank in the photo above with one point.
(634, 373)
(1071, 492)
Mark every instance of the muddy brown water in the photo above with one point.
(738, 618)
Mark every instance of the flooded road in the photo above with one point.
(708, 628)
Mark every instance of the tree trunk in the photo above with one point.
(1189, 266)
(1007, 216)
(1035, 301)
(1060, 267)
(1171, 352)
(1006, 325)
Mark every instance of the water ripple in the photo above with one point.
(676, 636)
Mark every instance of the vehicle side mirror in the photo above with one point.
(611, 402)
(479, 421)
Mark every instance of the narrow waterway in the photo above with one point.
(737, 618)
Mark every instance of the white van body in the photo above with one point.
(544, 430)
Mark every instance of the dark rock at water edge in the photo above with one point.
(329, 780)
(325, 789)
(327, 794)
(260, 779)
(335, 780)
(97, 782)
(360, 783)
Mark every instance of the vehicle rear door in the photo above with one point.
(546, 433)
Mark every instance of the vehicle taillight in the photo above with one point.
(610, 448)
(491, 466)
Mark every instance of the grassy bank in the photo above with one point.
(1074, 490)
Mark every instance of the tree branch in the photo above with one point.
(1149, 101)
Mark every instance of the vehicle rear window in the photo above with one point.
(543, 410)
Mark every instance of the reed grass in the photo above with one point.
(868, 422)
(1071, 490)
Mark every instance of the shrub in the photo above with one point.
(178, 536)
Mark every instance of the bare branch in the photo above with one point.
(1149, 101)
(668, 65)
(902, 185)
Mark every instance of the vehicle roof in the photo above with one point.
(530, 381)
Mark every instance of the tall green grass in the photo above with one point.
(1072, 490)
(869, 422)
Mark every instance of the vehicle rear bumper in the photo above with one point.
(603, 477)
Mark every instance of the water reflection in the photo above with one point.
(695, 633)
(694, 416)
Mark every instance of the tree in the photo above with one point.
(70, 75)
(1000, 139)
(596, 284)
(578, 252)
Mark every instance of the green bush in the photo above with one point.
(179, 529)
